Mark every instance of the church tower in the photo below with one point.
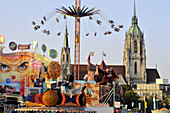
(65, 60)
(134, 57)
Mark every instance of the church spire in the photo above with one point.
(134, 29)
(134, 14)
(65, 59)
(66, 37)
(134, 18)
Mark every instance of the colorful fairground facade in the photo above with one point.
(29, 83)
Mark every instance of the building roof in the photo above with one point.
(103, 65)
(119, 70)
(91, 67)
(152, 74)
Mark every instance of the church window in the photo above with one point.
(141, 47)
(65, 71)
(67, 57)
(135, 65)
(63, 57)
(135, 47)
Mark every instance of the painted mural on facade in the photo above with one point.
(17, 68)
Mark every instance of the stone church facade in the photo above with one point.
(134, 57)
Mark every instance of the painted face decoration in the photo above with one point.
(14, 68)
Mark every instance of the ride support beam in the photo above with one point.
(77, 41)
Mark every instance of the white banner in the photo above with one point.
(117, 104)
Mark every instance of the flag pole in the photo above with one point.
(91, 54)
(113, 95)
(102, 54)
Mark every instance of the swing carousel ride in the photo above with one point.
(78, 14)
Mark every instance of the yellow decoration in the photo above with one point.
(145, 104)
(77, 39)
(34, 45)
(2, 39)
(31, 104)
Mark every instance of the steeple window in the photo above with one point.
(67, 57)
(135, 47)
(135, 65)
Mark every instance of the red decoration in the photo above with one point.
(13, 77)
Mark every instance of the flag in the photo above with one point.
(145, 102)
(35, 45)
(154, 103)
(86, 77)
(121, 91)
(91, 53)
(132, 104)
(139, 106)
(88, 60)
(2, 39)
(104, 54)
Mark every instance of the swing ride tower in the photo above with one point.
(77, 42)
(77, 13)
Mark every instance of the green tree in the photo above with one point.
(127, 88)
(165, 103)
(118, 96)
(129, 97)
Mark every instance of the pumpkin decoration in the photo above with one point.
(50, 98)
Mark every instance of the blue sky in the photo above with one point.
(153, 19)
